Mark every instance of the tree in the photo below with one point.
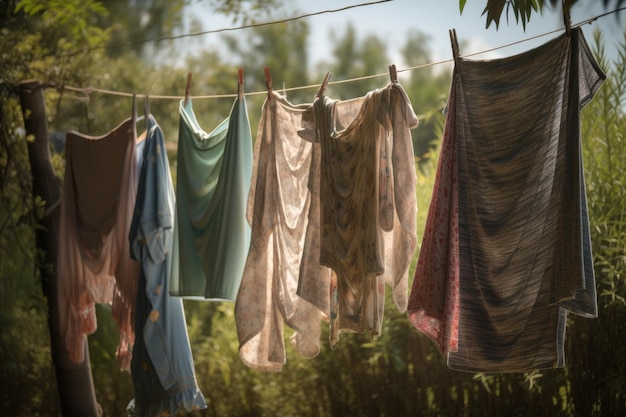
(32, 50)
(283, 48)
(428, 93)
(245, 11)
(354, 58)
(75, 384)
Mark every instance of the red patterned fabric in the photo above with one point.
(433, 306)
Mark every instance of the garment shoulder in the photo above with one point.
(402, 103)
(394, 108)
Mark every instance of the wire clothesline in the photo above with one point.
(89, 90)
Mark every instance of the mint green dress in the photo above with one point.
(213, 180)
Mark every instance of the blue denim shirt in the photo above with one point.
(162, 364)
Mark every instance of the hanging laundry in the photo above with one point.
(368, 204)
(93, 262)
(162, 364)
(434, 299)
(283, 210)
(213, 180)
(506, 251)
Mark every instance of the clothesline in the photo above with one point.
(89, 90)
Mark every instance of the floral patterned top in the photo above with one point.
(368, 204)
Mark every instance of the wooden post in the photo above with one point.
(75, 383)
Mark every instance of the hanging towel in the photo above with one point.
(162, 364)
(368, 204)
(94, 263)
(213, 180)
(283, 210)
(506, 250)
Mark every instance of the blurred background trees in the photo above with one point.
(400, 373)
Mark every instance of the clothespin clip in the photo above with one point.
(327, 78)
(393, 73)
(87, 92)
(134, 117)
(268, 82)
(146, 106)
(567, 20)
(455, 49)
(240, 85)
(187, 89)
(134, 104)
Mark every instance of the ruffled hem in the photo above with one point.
(188, 399)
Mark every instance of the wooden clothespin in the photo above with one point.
(187, 89)
(134, 104)
(268, 82)
(134, 117)
(567, 19)
(327, 78)
(240, 85)
(145, 117)
(146, 106)
(393, 73)
(455, 50)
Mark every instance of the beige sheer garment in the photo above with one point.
(283, 207)
(94, 264)
(368, 204)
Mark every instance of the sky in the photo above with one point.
(392, 21)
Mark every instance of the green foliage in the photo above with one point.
(597, 383)
(605, 148)
(26, 374)
(114, 387)
(523, 9)
(428, 93)
(355, 58)
(244, 11)
(134, 23)
(283, 48)
(75, 15)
